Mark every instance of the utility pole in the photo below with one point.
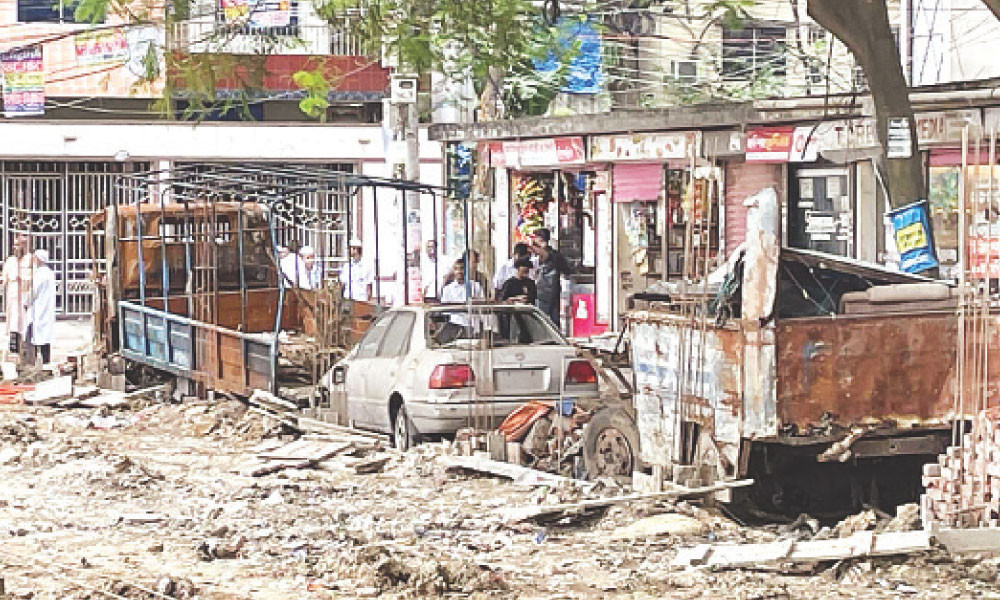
(404, 123)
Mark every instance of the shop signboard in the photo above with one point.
(544, 152)
(984, 256)
(23, 82)
(898, 142)
(642, 146)
(939, 127)
(769, 144)
(805, 145)
(101, 47)
(911, 229)
(257, 14)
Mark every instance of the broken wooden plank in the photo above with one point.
(976, 539)
(525, 513)
(267, 399)
(861, 544)
(519, 474)
(371, 465)
(303, 464)
(50, 391)
(310, 425)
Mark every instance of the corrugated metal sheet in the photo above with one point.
(637, 182)
(743, 181)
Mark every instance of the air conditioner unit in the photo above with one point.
(403, 89)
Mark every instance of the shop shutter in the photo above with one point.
(643, 182)
(742, 181)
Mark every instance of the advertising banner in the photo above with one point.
(101, 47)
(23, 82)
(257, 14)
(769, 144)
(912, 231)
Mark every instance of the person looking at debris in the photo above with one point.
(509, 268)
(356, 276)
(552, 267)
(313, 274)
(520, 288)
(477, 275)
(41, 306)
(430, 271)
(456, 291)
(293, 267)
(16, 280)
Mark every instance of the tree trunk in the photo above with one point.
(863, 26)
(993, 5)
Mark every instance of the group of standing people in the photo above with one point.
(533, 275)
(30, 301)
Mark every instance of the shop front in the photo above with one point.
(550, 185)
(664, 209)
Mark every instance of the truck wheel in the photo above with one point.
(611, 445)
(404, 435)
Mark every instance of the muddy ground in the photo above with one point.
(156, 501)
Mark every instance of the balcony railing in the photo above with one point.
(211, 36)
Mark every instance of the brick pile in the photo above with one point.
(962, 489)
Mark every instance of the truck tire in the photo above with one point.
(611, 445)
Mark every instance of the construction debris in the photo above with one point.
(526, 513)
(963, 487)
(859, 545)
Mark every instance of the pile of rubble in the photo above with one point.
(963, 487)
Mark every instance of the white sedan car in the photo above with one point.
(433, 369)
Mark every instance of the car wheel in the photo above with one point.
(404, 436)
(611, 445)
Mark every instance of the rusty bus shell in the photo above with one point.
(708, 393)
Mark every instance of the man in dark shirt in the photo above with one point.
(520, 288)
(552, 266)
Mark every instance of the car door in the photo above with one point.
(386, 367)
(359, 371)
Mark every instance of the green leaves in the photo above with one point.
(91, 11)
(316, 86)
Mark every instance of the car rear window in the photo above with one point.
(498, 326)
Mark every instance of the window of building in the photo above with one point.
(684, 71)
(45, 11)
(753, 51)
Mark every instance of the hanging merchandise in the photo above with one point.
(531, 200)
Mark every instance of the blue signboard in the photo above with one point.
(912, 231)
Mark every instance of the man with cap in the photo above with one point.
(355, 276)
(41, 306)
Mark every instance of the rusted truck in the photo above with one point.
(827, 381)
(192, 291)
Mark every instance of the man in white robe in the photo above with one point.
(16, 281)
(41, 308)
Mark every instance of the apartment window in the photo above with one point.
(45, 11)
(684, 71)
(753, 51)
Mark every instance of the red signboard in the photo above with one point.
(769, 144)
(984, 257)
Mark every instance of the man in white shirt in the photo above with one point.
(41, 307)
(456, 291)
(356, 277)
(294, 270)
(17, 271)
(313, 271)
(508, 268)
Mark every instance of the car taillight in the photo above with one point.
(580, 371)
(449, 377)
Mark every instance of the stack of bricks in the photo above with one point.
(962, 489)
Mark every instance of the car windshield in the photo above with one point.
(499, 326)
